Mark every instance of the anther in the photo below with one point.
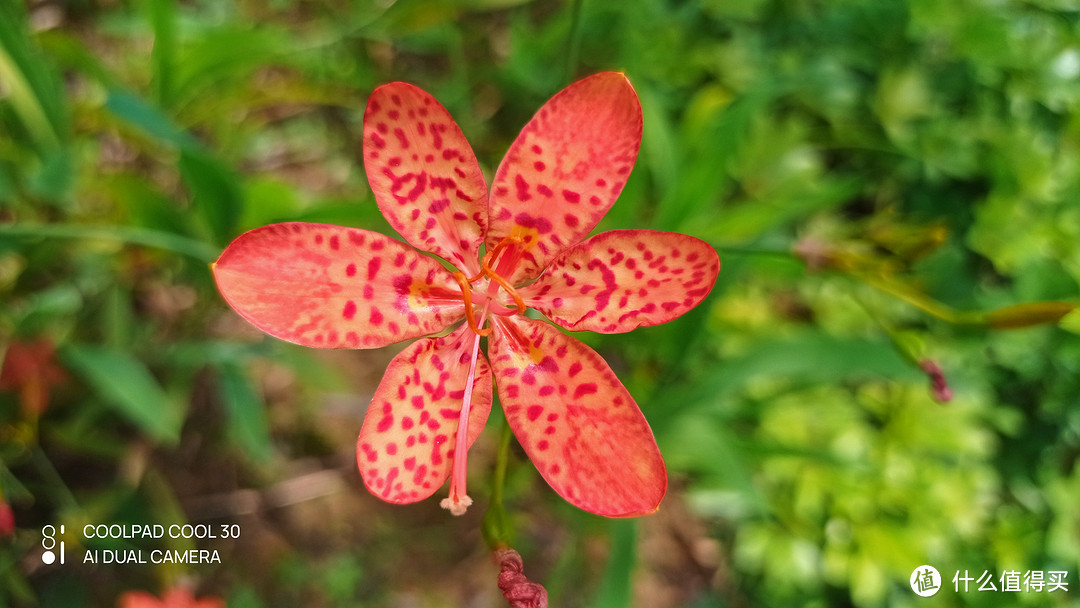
(466, 294)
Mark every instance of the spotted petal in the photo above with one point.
(622, 279)
(575, 420)
(565, 169)
(333, 287)
(406, 447)
(424, 174)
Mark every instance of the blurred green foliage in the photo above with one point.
(887, 181)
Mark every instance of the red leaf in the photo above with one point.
(406, 447)
(575, 420)
(424, 175)
(565, 169)
(333, 287)
(622, 279)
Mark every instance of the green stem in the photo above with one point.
(135, 236)
(573, 43)
(496, 526)
(501, 461)
(923, 302)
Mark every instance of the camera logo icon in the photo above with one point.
(48, 542)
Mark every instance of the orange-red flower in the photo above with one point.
(333, 287)
(177, 597)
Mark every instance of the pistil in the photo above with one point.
(458, 501)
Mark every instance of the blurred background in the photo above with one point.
(886, 375)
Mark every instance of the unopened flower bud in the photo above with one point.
(939, 388)
(1028, 315)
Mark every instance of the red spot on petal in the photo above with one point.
(350, 310)
(542, 225)
(522, 188)
(587, 388)
(534, 411)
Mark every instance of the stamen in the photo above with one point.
(509, 289)
(466, 294)
(485, 262)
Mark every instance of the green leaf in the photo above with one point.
(812, 357)
(162, 15)
(31, 85)
(124, 383)
(243, 596)
(749, 220)
(135, 236)
(146, 205)
(133, 109)
(53, 179)
(216, 192)
(211, 60)
(44, 310)
(248, 425)
(268, 201)
(715, 129)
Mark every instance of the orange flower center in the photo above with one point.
(505, 253)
